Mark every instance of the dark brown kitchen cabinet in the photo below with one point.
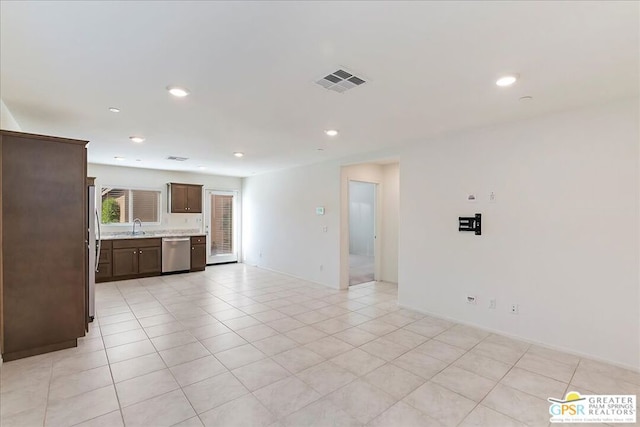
(198, 253)
(103, 273)
(43, 243)
(149, 260)
(136, 258)
(185, 198)
(125, 262)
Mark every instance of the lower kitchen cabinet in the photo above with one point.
(149, 260)
(136, 258)
(103, 273)
(198, 253)
(125, 262)
(142, 257)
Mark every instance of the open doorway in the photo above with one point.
(362, 232)
(380, 261)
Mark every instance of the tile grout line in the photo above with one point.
(46, 406)
(447, 366)
(165, 364)
(113, 384)
(498, 382)
(233, 288)
(115, 389)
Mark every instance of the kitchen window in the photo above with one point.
(123, 205)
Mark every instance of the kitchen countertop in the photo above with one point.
(148, 235)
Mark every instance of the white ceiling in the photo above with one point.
(431, 68)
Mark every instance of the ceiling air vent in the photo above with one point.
(340, 81)
(177, 159)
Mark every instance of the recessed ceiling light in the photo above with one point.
(114, 109)
(238, 154)
(119, 158)
(137, 139)
(331, 132)
(180, 92)
(507, 80)
(202, 167)
(526, 98)
(138, 160)
(320, 149)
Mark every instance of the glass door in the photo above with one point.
(362, 232)
(221, 226)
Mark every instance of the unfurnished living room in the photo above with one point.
(319, 213)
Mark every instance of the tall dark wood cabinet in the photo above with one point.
(43, 258)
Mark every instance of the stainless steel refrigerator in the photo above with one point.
(94, 250)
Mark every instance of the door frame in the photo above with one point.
(346, 176)
(237, 236)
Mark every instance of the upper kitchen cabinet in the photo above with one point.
(43, 243)
(185, 198)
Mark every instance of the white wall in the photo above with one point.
(7, 121)
(156, 179)
(390, 211)
(562, 239)
(281, 230)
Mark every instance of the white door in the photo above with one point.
(221, 226)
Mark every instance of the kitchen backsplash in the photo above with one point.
(169, 221)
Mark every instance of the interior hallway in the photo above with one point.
(361, 269)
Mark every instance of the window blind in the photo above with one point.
(222, 221)
(123, 205)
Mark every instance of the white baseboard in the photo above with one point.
(294, 276)
(517, 337)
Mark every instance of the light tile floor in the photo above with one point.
(240, 346)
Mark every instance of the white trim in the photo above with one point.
(296, 277)
(530, 341)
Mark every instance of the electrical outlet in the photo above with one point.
(514, 308)
(492, 303)
(471, 299)
(321, 267)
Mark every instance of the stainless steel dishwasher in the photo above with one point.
(176, 254)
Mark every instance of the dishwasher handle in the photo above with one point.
(185, 239)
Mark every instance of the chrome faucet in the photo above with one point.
(136, 221)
